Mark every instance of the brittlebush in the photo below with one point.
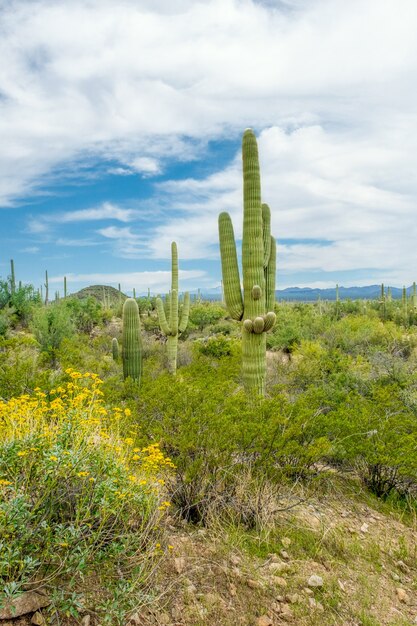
(77, 499)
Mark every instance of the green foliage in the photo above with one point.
(216, 346)
(85, 313)
(51, 325)
(204, 314)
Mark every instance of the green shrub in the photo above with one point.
(80, 506)
(205, 313)
(51, 325)
(216, 346)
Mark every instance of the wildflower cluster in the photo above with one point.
(72, 488)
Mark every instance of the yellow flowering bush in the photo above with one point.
(75, 494)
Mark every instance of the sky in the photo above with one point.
(121, 125)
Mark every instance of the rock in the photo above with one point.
(308, 591)
(285, 555)
(286, 542)
(364, 528)
(235, 560)
(86, 620)
(402, 595)
(28, 602)
(315, 581)
(395, 576)
(293, 598)
(164, 619)
(253, 584)
(135, 620)
(402, 566)
(38, 618)
(286, 610)
(315, 605)
(278, 580)
(179, 564)
(264, 620)
(276, 567)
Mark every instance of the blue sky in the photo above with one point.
(121, 126)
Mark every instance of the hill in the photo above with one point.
(102, 293)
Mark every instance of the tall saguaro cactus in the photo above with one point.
(256, 307)
(171, 321)
(131, 341)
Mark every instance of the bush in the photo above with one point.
(216, 346)
(50, 326)
(205, 313)
(79, 504)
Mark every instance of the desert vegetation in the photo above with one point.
(137, 433)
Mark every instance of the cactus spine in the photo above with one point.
(173, 323)
(115, 349)
(12, 277)
(256, 308)
(131, 341)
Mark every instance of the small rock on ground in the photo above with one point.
(315, 581)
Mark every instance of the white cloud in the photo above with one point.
(158, 282)
(326, 186)
(146, 165)
(131, 80)
(331, 84)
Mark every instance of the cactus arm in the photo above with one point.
(266, 223)
(184, 313)
(270, 274)
(230, 268)
(167, 307)
(174, 259)
(162, 317)
(174, 313)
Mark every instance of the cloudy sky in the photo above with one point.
(120, 130)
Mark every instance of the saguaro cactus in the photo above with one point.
(171, 321)
(46, 288)
(12, 277)
(256, 308)
(115, 349)
(131, 341)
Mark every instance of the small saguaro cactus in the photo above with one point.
(131, 341)
(115, 349)
(12, 277)
(414, 296)
(65, 286)
(171, 321)
(256, 307)
(46, 288)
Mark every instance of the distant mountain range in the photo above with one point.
(307, 294)
(290, 294)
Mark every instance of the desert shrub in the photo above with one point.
(80, 505)
(85, 313)
(7, 318)
(213, 433)
(20, 368)
(225, 327)
(216, 346)
(377, 434)
(51, 325)
(205, 313)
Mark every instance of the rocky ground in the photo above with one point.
(337, 559)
